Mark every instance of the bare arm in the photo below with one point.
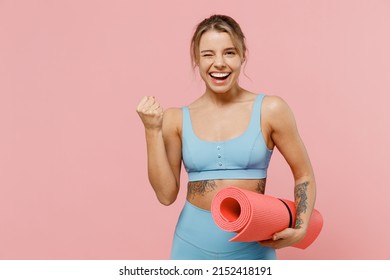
(163, 148)
(284, 135)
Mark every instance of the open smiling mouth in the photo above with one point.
(219, 76)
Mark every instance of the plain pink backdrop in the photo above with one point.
(73, 181)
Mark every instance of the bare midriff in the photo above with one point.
(201, 193)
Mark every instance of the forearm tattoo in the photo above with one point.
(260, 188)
(301, 201)
(200, 187)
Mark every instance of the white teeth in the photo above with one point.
(219, 75)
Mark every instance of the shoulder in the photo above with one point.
(274, 104)
(172, 119)
(276, 111)
(173, 113)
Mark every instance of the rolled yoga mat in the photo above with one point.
(256, 217)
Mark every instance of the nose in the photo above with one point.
(219, 61)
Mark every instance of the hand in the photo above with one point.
(150, 112)
(284, 238)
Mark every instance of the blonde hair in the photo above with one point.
(220, 23)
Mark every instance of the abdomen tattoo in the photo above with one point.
(200, 187)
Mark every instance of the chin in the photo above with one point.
(221, 89)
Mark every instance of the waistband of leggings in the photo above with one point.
(197, 227)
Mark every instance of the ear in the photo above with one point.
(243, 58)
(197, 62)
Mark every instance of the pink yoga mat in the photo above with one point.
(256, 217)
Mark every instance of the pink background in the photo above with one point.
(73, 182)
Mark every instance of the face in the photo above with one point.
(219, 62)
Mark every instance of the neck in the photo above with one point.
(219, 98)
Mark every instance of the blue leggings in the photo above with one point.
(197, 237)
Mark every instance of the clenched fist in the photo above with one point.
(150, 112)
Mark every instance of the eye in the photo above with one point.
(230, 53)
(206, 55)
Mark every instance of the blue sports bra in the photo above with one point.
(243, 157)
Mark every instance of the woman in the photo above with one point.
(224, 138)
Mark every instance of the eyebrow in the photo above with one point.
(227, 49)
